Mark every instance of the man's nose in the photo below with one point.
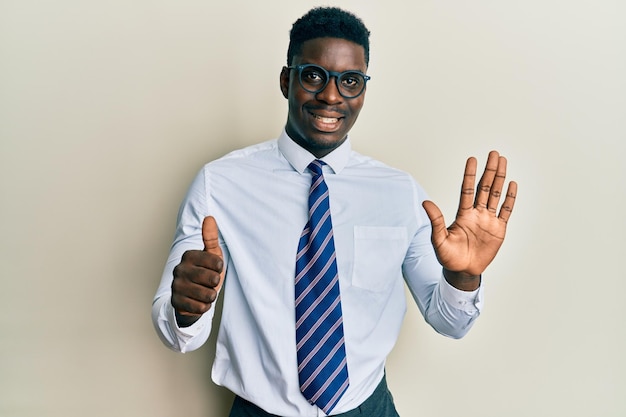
(330, 94)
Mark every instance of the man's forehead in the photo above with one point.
(339, 48)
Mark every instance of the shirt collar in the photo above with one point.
(300, 158)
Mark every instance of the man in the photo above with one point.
(270, 214)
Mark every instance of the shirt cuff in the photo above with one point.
(469, 301)
(184, 334)
(176, 338)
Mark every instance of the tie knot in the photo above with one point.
(316, 166)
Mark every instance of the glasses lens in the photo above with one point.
(313, 78)
(351, 84)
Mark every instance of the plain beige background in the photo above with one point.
(108, 109)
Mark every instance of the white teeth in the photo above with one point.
(326, 119)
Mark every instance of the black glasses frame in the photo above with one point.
(329, 74)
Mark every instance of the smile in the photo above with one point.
(326, 119)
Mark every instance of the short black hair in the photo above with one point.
(327, 22)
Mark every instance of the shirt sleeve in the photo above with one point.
(179, 339)
(188, 236)
(448, 310)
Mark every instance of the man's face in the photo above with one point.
(320, 122)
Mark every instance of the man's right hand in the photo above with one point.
(198, 277)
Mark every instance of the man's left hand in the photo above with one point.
(471, 242)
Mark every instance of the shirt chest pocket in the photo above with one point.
(378, 256)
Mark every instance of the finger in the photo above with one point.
(498, 183)
(191, 298)
(184, 313)
(438, 223)
(466, 201)
(210, 237)
(486, 181)
(186, 306)
(509, 202)
(210, 234)
(199, 293)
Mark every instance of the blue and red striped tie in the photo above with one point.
(321, 351)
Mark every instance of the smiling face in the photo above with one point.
(320, 122)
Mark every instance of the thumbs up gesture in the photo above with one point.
(198, 277)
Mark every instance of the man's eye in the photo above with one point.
(351, 81)
(313, 76)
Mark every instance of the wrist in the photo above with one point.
(462, 280)
(186, 319)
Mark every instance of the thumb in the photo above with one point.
(210, 236)
(439, 230)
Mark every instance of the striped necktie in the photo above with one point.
(321, 351)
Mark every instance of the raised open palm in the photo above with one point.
(471, 242)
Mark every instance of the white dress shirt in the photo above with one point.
(259, 198)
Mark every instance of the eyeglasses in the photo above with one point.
(314, 79)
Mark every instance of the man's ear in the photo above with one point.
(284, 81)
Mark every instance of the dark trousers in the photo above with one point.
(379, 404)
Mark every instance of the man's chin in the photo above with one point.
(325, 143)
